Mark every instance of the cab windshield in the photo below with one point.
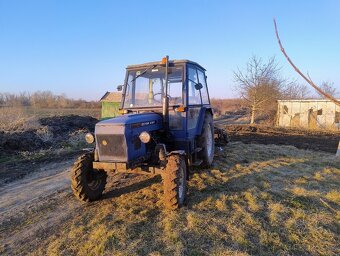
(146, 88)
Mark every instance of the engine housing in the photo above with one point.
(117, 139)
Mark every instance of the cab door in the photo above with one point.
(197, 99)
(194, 101)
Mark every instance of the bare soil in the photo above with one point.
(53, 132)
(304, 139)
(51, 140)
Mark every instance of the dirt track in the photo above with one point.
(39, 197)
(39, 203)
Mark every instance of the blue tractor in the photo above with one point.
(166, 127)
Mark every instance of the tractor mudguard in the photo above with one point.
(201, 119)
(166, 153)
(182, 153)
(163, 156)
(176, 152)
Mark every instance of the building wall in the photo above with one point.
(311, 114)
(110, 109)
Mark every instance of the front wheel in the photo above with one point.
(87, 184)
(175, 182)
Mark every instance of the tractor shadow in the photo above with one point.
(131, 183)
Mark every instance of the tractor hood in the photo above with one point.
(117, 139)
(136, 120)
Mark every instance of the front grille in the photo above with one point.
(112, 147)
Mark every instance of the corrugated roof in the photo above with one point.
(111, 97)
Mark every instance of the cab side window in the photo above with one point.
(204, 90)
(194, 95)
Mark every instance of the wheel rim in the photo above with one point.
(181, 185)
(209, 140)
(93, 182)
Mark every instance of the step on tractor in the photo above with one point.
(165, 128)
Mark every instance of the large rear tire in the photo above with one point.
(175, 182)
(87, 184)
(206, 141)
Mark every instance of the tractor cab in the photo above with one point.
(166, 127)
(187, 95)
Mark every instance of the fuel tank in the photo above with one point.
(117, 139)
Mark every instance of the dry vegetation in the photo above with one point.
(238, 112)
(22, 111)
(43, 99)
(42, 135)
(228, 106)
(25, 118)
(255, 200)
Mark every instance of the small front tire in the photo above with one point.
(87, 184)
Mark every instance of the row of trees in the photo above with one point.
(43, 99)
(261, 84)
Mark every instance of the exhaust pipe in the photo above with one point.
(165, 100)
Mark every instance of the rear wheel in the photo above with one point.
(87, 184)
(206, 141)
(175, 182)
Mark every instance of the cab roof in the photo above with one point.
(159, 62)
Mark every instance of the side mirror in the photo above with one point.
(119, 88)
(198, 86)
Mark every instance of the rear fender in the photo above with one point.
(200, 122)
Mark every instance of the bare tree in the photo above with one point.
(260, 84)
(328, 87)
(296, 91)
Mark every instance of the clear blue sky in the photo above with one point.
(81, 48)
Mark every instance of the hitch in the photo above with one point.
(221, 136)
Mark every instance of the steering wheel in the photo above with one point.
(160, 94)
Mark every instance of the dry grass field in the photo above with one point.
(255, 200)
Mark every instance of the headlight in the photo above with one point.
(89, 138)
(145, 137)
